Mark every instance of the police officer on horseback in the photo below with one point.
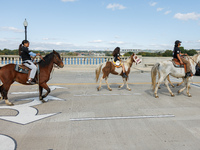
(178, 55)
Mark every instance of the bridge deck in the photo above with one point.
(82, 118)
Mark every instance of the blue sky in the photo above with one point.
(100, 24)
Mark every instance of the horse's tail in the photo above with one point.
(98, 71)
(154, 71)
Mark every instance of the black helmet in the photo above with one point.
(177, 42)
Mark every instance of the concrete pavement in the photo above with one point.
(135, 125)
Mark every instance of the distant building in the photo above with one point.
(123, 51)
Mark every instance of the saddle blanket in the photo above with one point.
(117, 63)
(21, 69)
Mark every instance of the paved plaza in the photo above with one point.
(78, 117)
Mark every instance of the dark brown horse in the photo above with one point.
(8, 75)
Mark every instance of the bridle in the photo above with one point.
(137, 60)
(194, 60)
(58, 60)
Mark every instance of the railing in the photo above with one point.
(84, 60)
(67, 60)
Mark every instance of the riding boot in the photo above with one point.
(124, 75)
(30, 81)
(188, 74)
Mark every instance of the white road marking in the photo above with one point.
(7, 143)
(35, 92)
(27, 113)
(87, 95)
(128, 117)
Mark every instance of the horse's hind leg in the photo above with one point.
(106, 79)
(166, 84)
(100, 83)
(4, 93)
(158, 84)
(127, 87)
(45, 86)
(170, 81)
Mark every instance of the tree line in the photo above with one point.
(167, 53)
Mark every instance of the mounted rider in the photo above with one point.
(27, 61)
(117, 60)
(178, 55)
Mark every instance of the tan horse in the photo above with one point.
(108, 67)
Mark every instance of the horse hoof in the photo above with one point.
(156, 96)
(98, 89)
(1, 98)
(173, 86)
(158, 87)
(189, 95)
(179, 92)
(119, 87)
(172, 95)
(110, 89)
(43, 101)
(129, 89)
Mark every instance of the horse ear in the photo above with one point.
(54, 51)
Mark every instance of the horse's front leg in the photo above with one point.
(40, 92)
(188, 87)
(126, 82)
(45, 86)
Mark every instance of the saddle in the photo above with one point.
(117, 64)
(177, 64)
(23, 69)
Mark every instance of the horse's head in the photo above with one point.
(136, 59)
(57, 59)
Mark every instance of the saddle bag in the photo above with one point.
(21, 69)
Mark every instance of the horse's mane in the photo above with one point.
(129, 61)
(47, 59)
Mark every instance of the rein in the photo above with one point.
(194, 61)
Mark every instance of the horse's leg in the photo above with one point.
(188, 87)
(180, 83)
(106, 79)
(45, 86)
(4, 92)
(170, 81)
(181, 90)
(40, 92)
(166, 84)
(100, 81)
(158, 84)
(127, 87)
(122, 84)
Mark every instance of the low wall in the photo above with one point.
(84, 60)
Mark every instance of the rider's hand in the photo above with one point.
(38, 54)
(181, 63)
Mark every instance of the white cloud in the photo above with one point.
(96, 41)
(115, 6)
(152, 3)
(160, 9)
(117, 42)
(11, 29)
(167, 12)
(68, 0)
(188, 16)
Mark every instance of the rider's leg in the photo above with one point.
(187, 66)
(124, 72)
(33, 68)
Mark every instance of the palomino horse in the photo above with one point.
(8, 75)
(108, 68)
(166, 68)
